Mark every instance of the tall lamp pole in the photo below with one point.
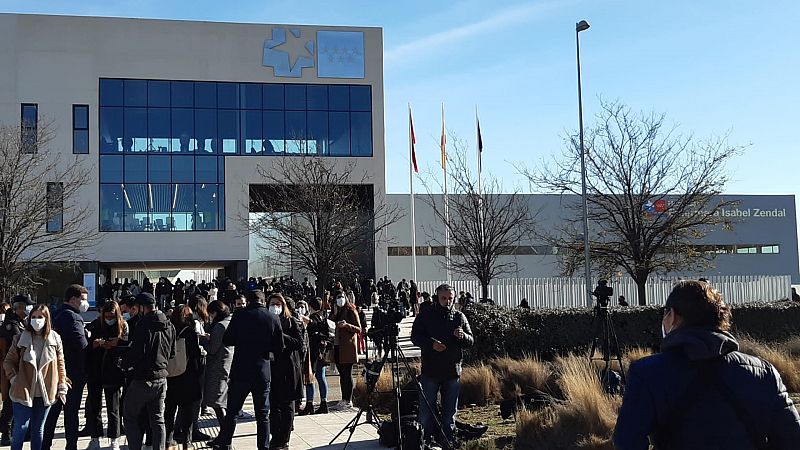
(583, 26)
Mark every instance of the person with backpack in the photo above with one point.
(184, 380)
(700, 391)
(13, 325)
(152, 346)
(286, 373)
(69, 325)
(36, 367)
(108, 341)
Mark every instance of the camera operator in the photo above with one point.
(603, 293)
(441, 333)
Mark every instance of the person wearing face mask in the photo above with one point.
(108, 340)
(345, 346)
(441, 333)
(68, 323)
(700, 391)
(36, 367)
(12, 326)
(218, 362)
(286, 373)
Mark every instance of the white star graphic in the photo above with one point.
(295, 48)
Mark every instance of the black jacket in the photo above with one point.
(12, 326)
(188, 386)
(660, 402)
(254, 333)
(287, 376)
(104, 366)
(69, 325)
(439, 323)
(319, 336)
(152, 345)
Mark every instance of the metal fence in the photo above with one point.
(563, 292)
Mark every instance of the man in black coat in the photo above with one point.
(69, 325)
(441, 333)
(256, 335)
(700, 392)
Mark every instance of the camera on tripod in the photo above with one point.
(603, 293)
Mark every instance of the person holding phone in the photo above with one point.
(35, 366)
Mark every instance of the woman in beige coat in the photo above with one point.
(35, 366)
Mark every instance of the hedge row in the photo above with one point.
(547, 332)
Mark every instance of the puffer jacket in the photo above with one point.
(439, 323)
(152, 345)
(660, 403)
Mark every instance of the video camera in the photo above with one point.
(603, 293)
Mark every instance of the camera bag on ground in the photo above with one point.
(409, 427)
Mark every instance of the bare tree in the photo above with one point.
(41, 212)
(651, 193)
(485, 225)
(320, 214)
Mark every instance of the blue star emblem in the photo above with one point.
(288, 53)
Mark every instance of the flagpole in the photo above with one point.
(411, 186)
(446, 207)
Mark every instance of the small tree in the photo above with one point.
(484, 224)
(41, 213)
(651, 194)
(319, 214)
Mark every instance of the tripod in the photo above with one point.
(605, 337)
(394, 355)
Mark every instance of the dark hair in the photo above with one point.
(219, 309)
(181, 317)
(112, 306)
(699, 305)
(48, 323)
(75, 290)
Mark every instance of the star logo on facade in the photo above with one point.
(288, 52)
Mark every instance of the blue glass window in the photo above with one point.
(182, 94)
(111, 202)
(135, 169)
(29, 125)
(317, 97)
(317, 132)
(80, 129)
(274, 96)
(361, 132)
(183, 169)
(183, 207)
(135, 139)
(228, 95)
(228, 130)
(360, 98)
(274, 132)
(221, 204)
(158, 131)
(111, 169)
(110, 130)
(250, 96)
(251, 132)
(339, 98)
(295, 131)
(182, 135)
(221, 169)
(135, 93)
(159, 169)
(207, 209)
(205, 169)
(135, 198)
(110, 92)
(161, 206)
(158, 93)
(339, 134)
(205, 121)
(205, 95)
(296, 97)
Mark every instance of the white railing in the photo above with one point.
(563, 292)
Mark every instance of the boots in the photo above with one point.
(308, 410)
(323, 408)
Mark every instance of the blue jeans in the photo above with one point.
(33, 418)
(322, 381)
(449, 390)
(237, 393)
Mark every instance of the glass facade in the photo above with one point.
(163, 143)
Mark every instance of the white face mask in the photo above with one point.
(301, 311)
(111, 322)
(37, 324)
(340, 301)
(2, 318)
(84, 306)
(275, 309)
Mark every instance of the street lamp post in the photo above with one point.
(583, 26)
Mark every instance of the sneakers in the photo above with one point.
(94, 444)
(115, 444)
